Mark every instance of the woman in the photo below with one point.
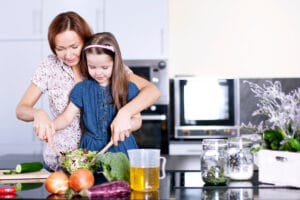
(58, 74)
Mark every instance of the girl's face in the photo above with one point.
(68, 47)
(100, 67)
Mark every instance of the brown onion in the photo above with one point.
(81, 179)
(57, 183)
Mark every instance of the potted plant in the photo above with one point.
(278, 160)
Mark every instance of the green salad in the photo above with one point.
(79, 158)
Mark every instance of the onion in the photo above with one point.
(57, 183)
(81, 179)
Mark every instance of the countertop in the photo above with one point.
(183, 181)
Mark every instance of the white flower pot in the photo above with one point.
(279, 168)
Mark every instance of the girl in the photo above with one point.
(105, 91)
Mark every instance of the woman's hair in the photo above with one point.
(68, 21)
(106, 43)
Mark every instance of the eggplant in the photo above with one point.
(115, 189)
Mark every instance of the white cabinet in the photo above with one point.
(20, 19)
(91, 11)
(139, 26)
(18, 60)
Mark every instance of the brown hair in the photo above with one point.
(68, 21)
(119, 81)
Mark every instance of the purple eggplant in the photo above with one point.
(109, 189)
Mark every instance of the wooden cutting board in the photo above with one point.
(42, 174)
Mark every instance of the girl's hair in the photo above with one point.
(106, 43)
(68, 21)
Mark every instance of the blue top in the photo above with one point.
(98, 111)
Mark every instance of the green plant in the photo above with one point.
(215, 176)
(281, 129)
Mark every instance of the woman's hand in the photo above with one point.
(43, 125)
(121, 126)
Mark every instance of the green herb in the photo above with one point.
(215, 176)
(277, 140)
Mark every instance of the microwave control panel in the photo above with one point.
(206, 133)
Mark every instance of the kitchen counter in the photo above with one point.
(183, 181)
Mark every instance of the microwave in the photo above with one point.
(205, 107)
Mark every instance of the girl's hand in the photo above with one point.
(43, 125)
(121, 126)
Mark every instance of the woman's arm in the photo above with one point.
(24, 109)
(136, 122)
(147, 96)
(42, 124)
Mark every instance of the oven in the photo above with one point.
(154, 132)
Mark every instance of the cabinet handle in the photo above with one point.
(36, 22)
(100, 20)
(154, 117)
(162, 39)
(281, 158)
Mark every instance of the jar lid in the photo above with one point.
(214, 144)
(239, 142)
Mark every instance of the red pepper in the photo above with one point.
(7, 190)
(8, 196)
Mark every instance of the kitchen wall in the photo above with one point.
(234, 38)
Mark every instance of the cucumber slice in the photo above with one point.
(29, 167)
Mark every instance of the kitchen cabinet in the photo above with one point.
(91, 11)
(18, 61)
(139, 26)
(20, 19)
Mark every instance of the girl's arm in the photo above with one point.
(66, 118)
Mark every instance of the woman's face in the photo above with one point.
(68, 47)
(100, 67)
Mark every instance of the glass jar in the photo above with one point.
(239, 159)
(213, 161)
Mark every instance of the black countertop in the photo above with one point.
(183, 181)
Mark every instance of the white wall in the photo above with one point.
(235, 38)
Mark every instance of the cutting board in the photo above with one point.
(42, 174)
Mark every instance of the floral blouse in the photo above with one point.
(56, 79)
